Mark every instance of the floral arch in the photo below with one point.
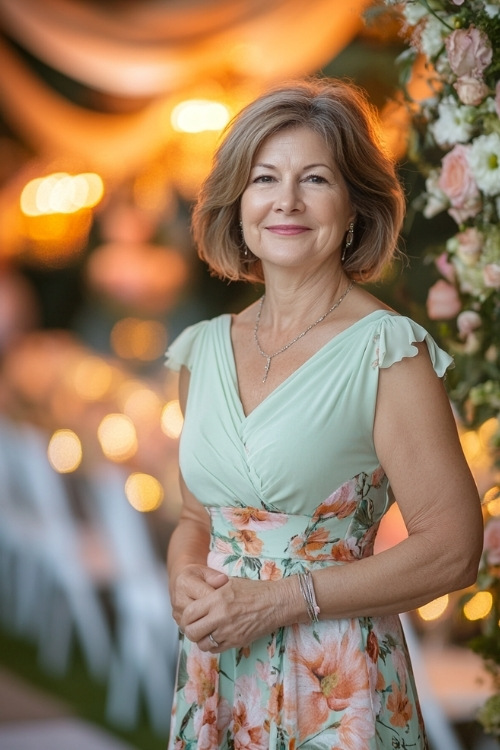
(455, 144)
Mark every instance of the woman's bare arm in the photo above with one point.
(189, 576)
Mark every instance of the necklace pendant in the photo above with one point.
(266, 371)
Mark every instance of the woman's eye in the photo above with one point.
(263, 178)
(315, 178)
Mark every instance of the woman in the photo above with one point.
(299, 413)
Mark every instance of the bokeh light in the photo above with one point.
(64, 451)
(134, 338)
(492, 500)
(144, 492)
(93, 378)
(198, 115)
(117, 437)
(479, 606)
(172, 419)
(140, 403)
(433, 610)
(61, 193)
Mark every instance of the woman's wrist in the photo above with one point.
(291, 607)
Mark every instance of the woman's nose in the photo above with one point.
(288, 197)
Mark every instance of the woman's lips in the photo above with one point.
(287, 229)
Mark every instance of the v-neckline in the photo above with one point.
(280, 386)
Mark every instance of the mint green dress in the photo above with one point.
(295, 485)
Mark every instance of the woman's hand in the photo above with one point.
(194, 582)
(241, 610)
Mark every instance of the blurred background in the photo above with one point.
(109, 114)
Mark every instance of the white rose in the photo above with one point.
(491, 10)
(484, 161)
(414, 13)
(453, 123)
(437, 201)
(431, 38)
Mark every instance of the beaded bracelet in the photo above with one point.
(307, 591)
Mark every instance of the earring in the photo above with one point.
(348, 241)
(246, 251)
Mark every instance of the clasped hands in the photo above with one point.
(235, 611)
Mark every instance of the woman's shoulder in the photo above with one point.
(399, 337)
(396, 337)
(183, 348)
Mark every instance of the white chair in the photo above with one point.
(144, 659)
(55, 596)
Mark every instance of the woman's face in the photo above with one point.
(295, 208)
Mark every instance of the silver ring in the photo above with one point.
(213, 641)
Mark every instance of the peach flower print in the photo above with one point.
(326, 676)
(372, 647)
(203, 676)
(275, 705)
(270, 571)
(308, 546)
(355, 730)
(400, 706)
(263, 669)
(222, 546)
(248, 540)
(253, 518)
(341, 503)
(346, 550)
(210, 723)
(248, 717)
(377, 477)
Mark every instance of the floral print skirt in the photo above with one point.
(336, 685)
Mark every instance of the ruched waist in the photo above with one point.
(257, 533)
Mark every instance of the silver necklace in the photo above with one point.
(270, 357)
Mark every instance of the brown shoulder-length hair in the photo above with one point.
(340, 113)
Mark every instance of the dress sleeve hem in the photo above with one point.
(396, 340)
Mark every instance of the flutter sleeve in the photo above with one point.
(182, 350)
(396, 340)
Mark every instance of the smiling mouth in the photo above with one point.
(287, 229)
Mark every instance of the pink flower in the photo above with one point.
(470, 243)
(491, 275)
(458, 184)
(471, 90)
(469, 52)
(492, 541)
(445, 268)
(468, 321)
(443, 301)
